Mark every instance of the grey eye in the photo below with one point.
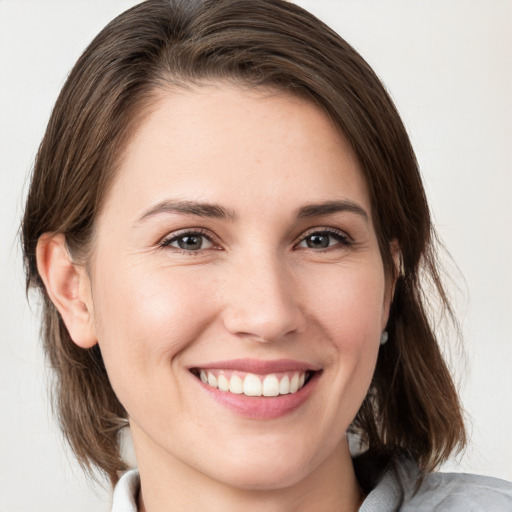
(323, 240)
(190, 242)
(318, 241)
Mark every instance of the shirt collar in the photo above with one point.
(126, 492)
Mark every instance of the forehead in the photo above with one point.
(231, 144)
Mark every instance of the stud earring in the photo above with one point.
(384, 337)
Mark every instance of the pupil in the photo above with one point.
(190, 242)
(318, 241)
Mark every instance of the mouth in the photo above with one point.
(260, 390)
(238, 382)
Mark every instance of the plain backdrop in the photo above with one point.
(448, 66)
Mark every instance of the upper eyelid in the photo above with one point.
(323, 229)
(343, 240)
(170, 237)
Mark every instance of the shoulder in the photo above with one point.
(461, 492)
(452, 491)
(403, 487)
(126, 492)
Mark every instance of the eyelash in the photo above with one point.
(341, 238)
(166, 242)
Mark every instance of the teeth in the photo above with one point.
(236, 385)
(223, 383)
(284, 385)
(270, 386)
(255, 385)
(294, 383)
(212, 380)
(252, 385)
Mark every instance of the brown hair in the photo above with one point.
(412, 404)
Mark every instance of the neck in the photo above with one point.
(175, 486)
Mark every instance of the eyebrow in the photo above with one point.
(199, 209)
(202, 209)
(329, 207)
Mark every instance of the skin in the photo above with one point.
(255, 289)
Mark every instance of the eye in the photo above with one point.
(324, 240)
(190, 241)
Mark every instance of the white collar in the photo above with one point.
(126, 492)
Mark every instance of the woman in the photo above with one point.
(228, 227)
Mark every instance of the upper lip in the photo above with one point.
(258, 366)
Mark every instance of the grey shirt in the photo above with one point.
(402, 487)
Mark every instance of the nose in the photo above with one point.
(261, 300)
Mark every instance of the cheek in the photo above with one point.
(349, 306)
(148, 316)
(349, 312)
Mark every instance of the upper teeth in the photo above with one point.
(250, 384)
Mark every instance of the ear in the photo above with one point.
(68, 287)
(396, 254)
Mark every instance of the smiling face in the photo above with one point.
(235, 257)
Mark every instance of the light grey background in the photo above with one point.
(448, 66)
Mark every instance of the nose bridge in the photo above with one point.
(261, 299)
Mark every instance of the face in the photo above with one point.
(235, 257)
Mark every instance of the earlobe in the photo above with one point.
(67, 285)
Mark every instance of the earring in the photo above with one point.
(384, 337)
(401, 267)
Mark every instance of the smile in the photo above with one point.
(254, 385)
(258, 389)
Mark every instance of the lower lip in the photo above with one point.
(264, 408)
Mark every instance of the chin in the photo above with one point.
(265, 468)
(264, 477)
